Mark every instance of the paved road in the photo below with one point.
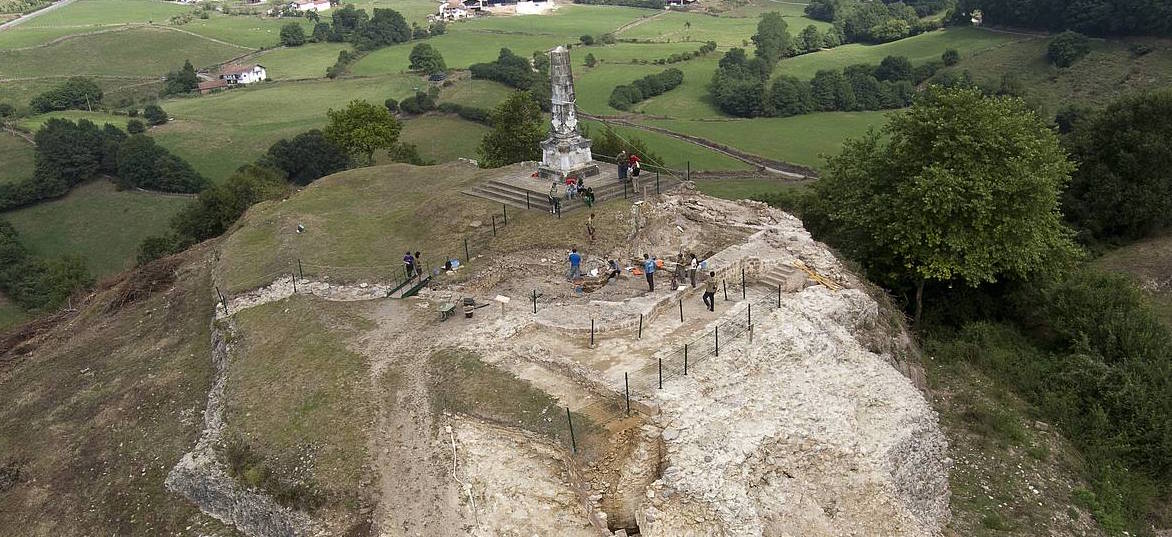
(37, 13)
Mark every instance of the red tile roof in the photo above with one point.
(212, 84)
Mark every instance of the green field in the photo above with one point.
(919, 49)
(16, 156)
(726, 31)
(737, 189)
(676, 154)
(136, 53)
(568, 22)
(245, 30)
(443, 138)
(1094, 80)
(96, 222)
(459, 49)
(107, 12)
(10, 314)
(687, 101)
(306, 61)
(798, 139)
(29, 36)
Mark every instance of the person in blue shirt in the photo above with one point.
(575, 264)
(409, 264)
(649, 270)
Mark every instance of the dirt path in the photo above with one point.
(636, 22)
(25, 18)
(122, 27)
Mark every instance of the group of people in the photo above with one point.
(411, 263)
(575, 187)
(683, 270)
(629, 167)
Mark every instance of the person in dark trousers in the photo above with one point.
(692, 266)
(418, 263)
(590, 228)
(575, 265)
(409, 264)
(649, 270)
(614, 270)
(710, 292)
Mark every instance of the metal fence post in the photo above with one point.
(725, 282)
(742, 283)
(685, 359)
(716, 335)
(779, 295)
(681, 310)
(299, 269)
(750, 332)
(293, 277)
(591, 332)
(657, 181)
(467, 255)
(505, 213)
(750, 314)
(527, 200)
(689, 175)
(573, 441)
(640, 326)
(627, 391)
(661, 372)
(535, 301)
(494, 225)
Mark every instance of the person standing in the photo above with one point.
(693, 265)
(409, 264)
(418, 262)
(677, 273)
(575, 265)
(633, 166)
(649, 270)
(710, 292)
(590, 228)
(554, 202)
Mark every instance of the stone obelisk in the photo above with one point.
(565, 152)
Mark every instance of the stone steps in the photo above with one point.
(789, 278)
(523, 198)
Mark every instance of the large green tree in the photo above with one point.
(772, 38)
(1123, 187)
(292, 34)
(386, 27)
(362, 128)
(307, 157)
(960, 187)
(517, 129)
(426, 58)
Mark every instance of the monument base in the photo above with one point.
(564, 157)
(551, 174)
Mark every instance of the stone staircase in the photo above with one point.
(789, 278)
(534, 194)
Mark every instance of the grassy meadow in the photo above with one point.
(305, 62)
(17, 157)
(442, 138)
(96, 222)
(726, 31)
(676, 154)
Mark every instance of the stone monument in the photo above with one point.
(565, 152)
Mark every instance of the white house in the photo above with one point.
(310, 5)
(243, 74)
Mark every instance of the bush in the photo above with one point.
(78, 93)
(438, 28)
(292, 35)
(392, 105)
(508, 69)
(144, 164)
(135, 126)
(470, 113)
(154, 114)
(419, 32)
(420, 103)
(1068, 47)
(950, 57)
(426, 58)
(586, 40)
(36, 284)
(590, 60)
(181, 81)
(7, 110)
(622, 97)
(307, 157)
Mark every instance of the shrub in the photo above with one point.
(420, 103)
(426, 58)
(392, 105)
(135, 126)
(622, 97)
(586, 40)
(76, 93)
(144, 164)
(181, 81)
(470, 113)
(37, 284)
(590, 60)
(154, 114)
(508, 69)
(7, 110)
(1067, 47)
(950, 57)
(307, 157)
(292, 35)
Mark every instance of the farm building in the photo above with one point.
(243, 74)
(310, 5)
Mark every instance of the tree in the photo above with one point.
(772, 38)
(811, 39)
(419, 32)
(517, 129)
(392, 105)
(889, 30)
(307, 157)
(790, 97)
(586, 40)
(426, 58)
(7, 110)
(386, 27)
(961, 187)
(832, 91)
(347, 21)
(76, 93)
(590, 60)
(894, 68)
(293, 35)
(135, 126)
(1067, 47)
(362, 128)
(1123, 186)
(181, 81)
(321, 32)
(154, 114)
(950, 57)
(144, 164)
(438, 28)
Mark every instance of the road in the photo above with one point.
(37, 13)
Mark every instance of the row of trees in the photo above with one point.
(33, 283)
(1094, 17)
(517, 72)
(182, 81)
(76, 93)
(69, 153)
(622, 97)
(875, 22)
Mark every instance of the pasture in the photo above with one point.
(919, 49)
(296, 63)
(687, 101)
(443, 138)
(96, 222)
(738, 189)
(676, 154)
(726, 31)
(16, 158)
(799, 139)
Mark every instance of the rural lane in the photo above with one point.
(37, 13)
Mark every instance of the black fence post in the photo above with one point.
(661, 372)
(294, 278)
(681, 310)
(467, 255)
(505, 213)
(685, 359)
(750, 314)
(535, 301)
(299, 270)
(627, 391)
(527, 206)
(689, 175)
(725, 289)
(742, 283)
(573, 441)
(624, 190)
(779, 295)
(222, 300)
(591, 332)
(494, 225)
(657, 181)
(750, 332)
(640, 326)
(716, 336)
